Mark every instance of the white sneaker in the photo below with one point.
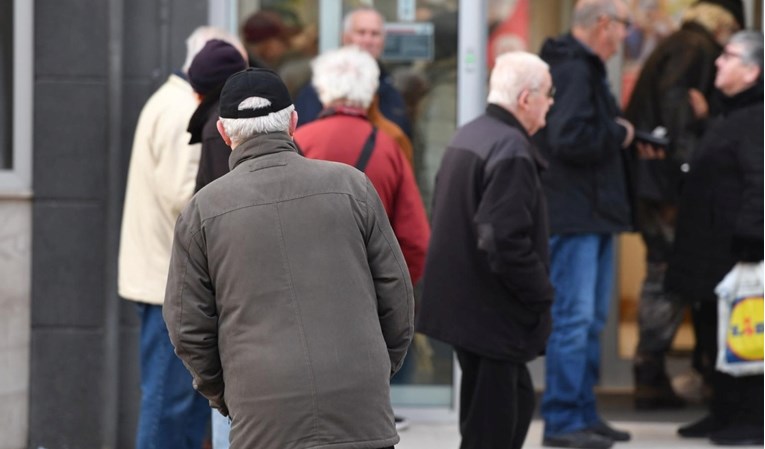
(401, 423)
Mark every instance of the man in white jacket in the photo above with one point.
(163, 168)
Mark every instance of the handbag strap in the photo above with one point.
(366, 152)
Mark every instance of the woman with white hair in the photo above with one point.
(346, 81)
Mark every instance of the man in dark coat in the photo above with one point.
(486, 289)
(678, 71)
(363, 27)
(586, 187)
(720, 223)
(288, 298)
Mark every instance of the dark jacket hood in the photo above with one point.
(567, 47)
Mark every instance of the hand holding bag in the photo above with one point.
(740, 320)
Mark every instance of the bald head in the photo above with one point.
(364, 28)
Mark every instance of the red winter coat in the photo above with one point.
(341, 137)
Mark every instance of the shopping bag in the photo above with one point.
(740, 320)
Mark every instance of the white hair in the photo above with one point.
(348, 75)
(201, 35)
(513, 73)
(243, 129)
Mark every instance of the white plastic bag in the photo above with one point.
(740, 320)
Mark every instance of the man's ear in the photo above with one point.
(222, 132)
(523, 99)
(752, 74)
(293, 122)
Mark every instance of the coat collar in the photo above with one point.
(748, 97)
(507, 117)
(261, 145)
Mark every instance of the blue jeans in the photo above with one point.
(221, 427)
(582, 272)
(173, 414)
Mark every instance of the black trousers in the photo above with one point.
(496, 402)
(734, 399)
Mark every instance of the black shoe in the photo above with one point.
(702, 428)
(603, 429)
(580, 439)
(738, 435)
(652, 398)
(401, 423)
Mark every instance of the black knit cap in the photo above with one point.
(212, 66)
(253, 82)
(735, 7)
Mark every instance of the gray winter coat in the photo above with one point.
(289, 301)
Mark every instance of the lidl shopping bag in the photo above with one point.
(740, 320)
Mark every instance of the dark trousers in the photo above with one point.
(734, 399)
(496, 402)
(659, 312)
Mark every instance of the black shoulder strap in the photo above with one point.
(366, 152)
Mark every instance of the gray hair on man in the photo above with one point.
(513, 73)
(751, 43)
(243, 129)
(587, 12)
(348, 19)
(201, 35)
(347, 75)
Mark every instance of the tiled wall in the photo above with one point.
(15, 255)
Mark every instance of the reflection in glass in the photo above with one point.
(6, 84)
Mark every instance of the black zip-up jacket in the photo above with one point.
(586, 184)
(486, 287)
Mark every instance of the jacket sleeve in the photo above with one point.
(577, 132)
(505, 225)
(176, 161)
(191, 315)
(409, 222)
(748, 233)
(395, 297)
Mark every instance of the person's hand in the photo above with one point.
(649, 152)
(630, 131)
(698, 104)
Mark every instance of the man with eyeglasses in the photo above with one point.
(586, 187)
(720, 224)
(486, 288)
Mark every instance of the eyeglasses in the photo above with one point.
(550, 93)
(626, 22)
(726, 54)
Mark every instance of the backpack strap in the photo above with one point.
(366, 152)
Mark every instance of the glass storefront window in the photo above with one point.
(6, 84)
(16, 75)
(427, 81)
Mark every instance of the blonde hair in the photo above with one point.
(711, 17)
